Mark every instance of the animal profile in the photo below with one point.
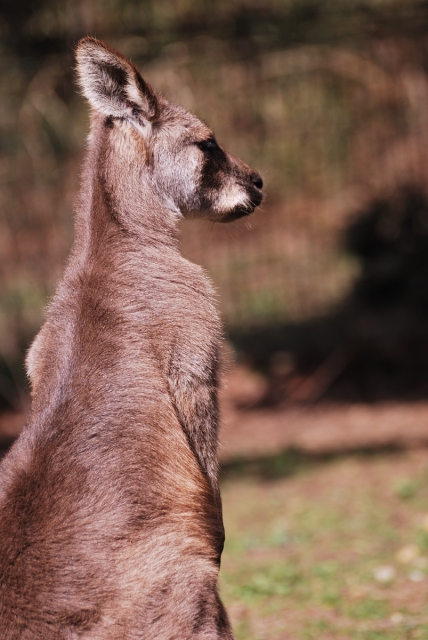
(110, 511)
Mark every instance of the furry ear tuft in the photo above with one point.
(111, 84)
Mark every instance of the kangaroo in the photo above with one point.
(110, 513)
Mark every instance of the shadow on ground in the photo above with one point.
(375, 346)
(293, 461)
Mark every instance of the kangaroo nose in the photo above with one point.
(257, 181)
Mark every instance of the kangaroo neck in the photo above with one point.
(130, 220)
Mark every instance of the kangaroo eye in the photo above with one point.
(207, 145)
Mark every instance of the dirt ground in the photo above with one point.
(321, 427)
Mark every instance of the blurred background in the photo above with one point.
(323, 292)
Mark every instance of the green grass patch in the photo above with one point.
(326, 547)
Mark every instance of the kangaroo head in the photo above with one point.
(167, 154)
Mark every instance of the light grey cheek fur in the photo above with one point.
(178, 174)
(110, 512)
(182, 172)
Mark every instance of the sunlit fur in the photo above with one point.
(110, 512)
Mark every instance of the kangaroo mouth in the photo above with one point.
(240, 211)
(237, 213)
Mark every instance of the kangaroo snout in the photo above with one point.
(241, 191)
(257, 181)
(256, 193)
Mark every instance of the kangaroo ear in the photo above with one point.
(111, 83)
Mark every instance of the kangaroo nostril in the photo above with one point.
(257, 181)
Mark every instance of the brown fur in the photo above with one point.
(110, 514)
